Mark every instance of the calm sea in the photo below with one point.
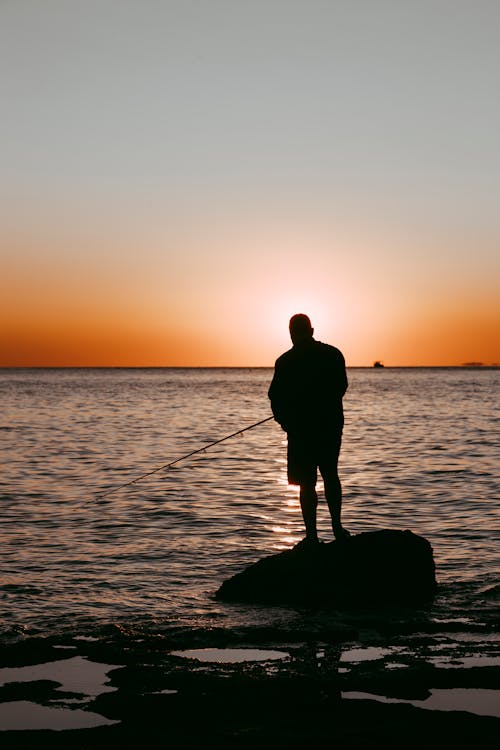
(419, 452)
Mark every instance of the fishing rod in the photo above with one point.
(182, 458)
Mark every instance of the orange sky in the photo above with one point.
(225, 297)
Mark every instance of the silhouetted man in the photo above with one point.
(306, 399)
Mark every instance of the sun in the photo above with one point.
(313, 305)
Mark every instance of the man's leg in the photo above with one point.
(333, 494)
(302, 471)
(308, 504)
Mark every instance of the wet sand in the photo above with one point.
(246, 696)
(349, 725)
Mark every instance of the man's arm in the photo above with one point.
(277, 396)
(343, 382)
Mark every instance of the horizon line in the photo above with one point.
(465, 366)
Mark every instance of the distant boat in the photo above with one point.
(378, 364)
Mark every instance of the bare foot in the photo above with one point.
(341, 534)
(308, 541)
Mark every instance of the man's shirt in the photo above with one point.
(307, 388)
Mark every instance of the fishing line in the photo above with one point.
(182, 458)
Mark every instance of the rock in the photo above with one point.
(372, 569)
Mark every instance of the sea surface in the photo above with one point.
(142, 564)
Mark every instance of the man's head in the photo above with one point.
(300, 328)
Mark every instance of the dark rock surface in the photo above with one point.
(372, 569)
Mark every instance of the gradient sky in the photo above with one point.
(178, 178)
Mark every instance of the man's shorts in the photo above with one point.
(307, 453)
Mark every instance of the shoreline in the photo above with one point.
(242, 707)
(222, 688)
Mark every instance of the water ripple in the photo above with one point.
(419, 452)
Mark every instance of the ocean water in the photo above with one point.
(420, 452)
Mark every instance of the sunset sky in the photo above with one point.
(178, 178)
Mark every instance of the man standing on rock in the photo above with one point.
(306, 399)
